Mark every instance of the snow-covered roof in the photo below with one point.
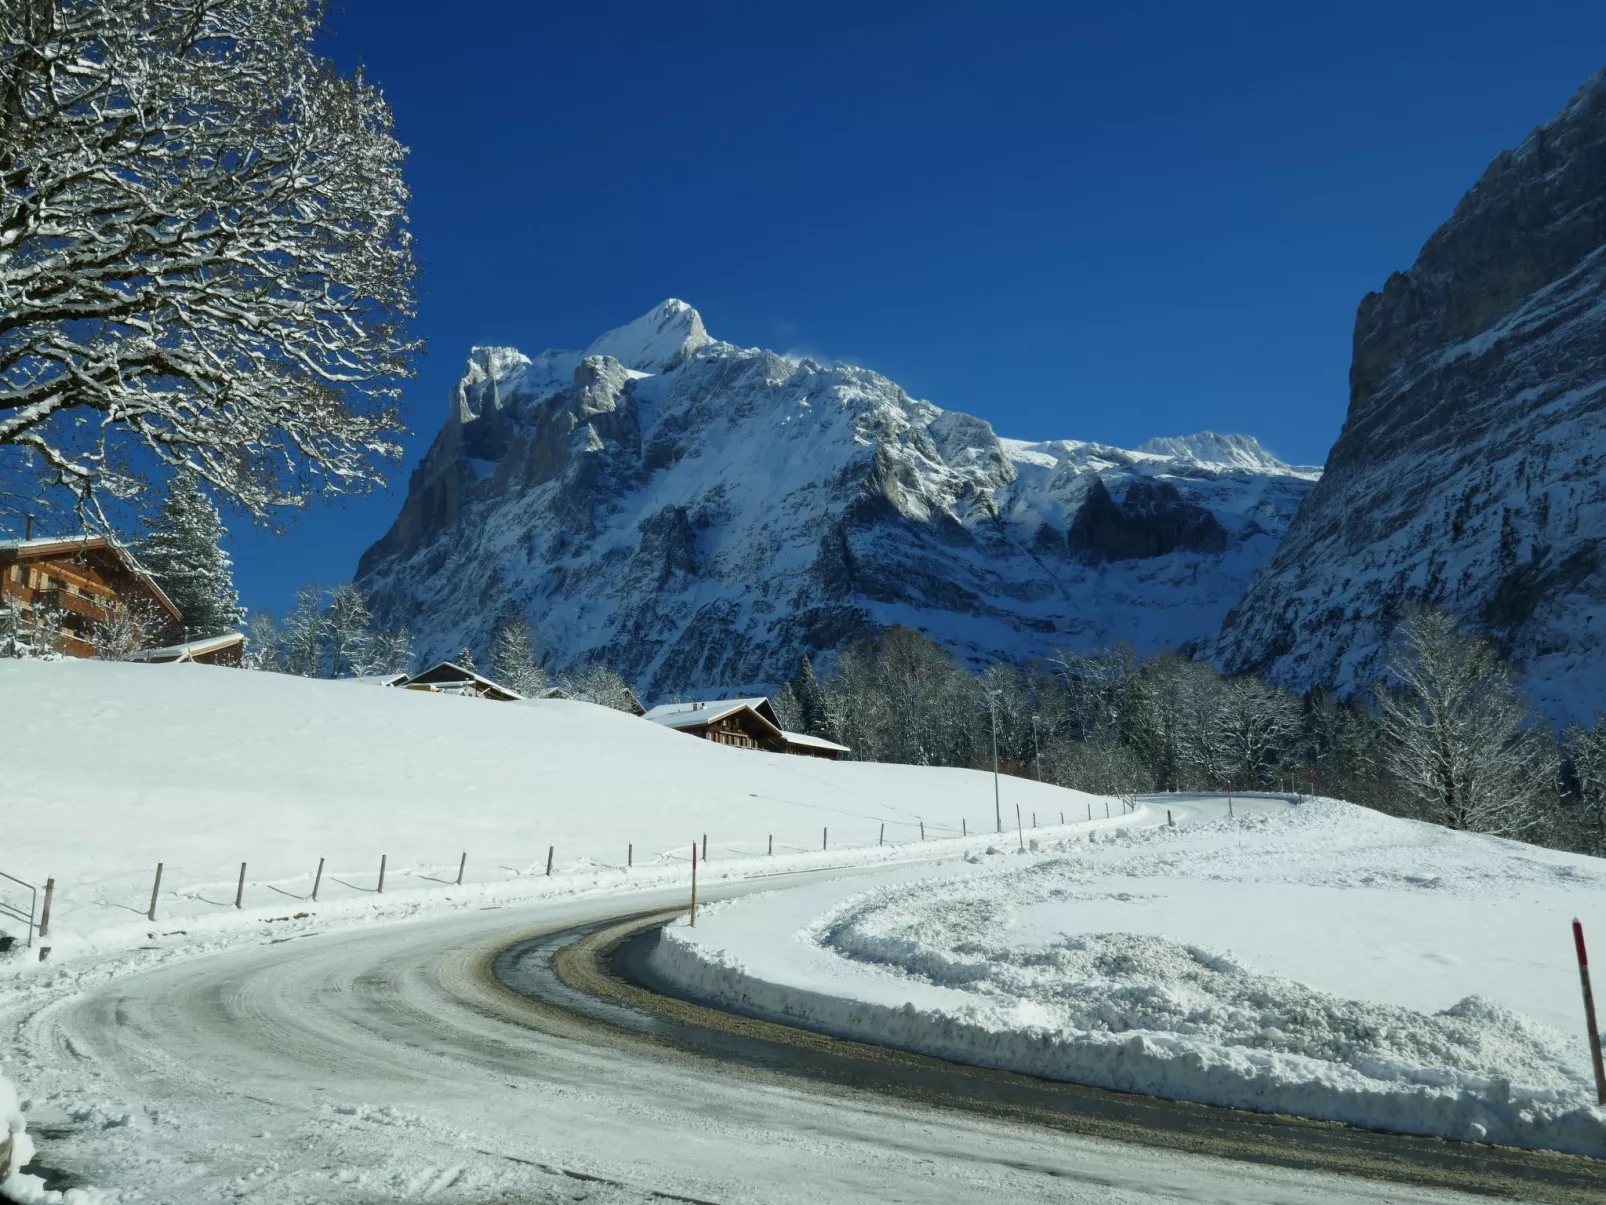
(379, 679)
(189, 650)
(445, 673)
(813, 742)
(689, 715)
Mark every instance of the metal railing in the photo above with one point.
(7, 908)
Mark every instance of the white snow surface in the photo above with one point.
(1322, 960)
(202, 768)
(226, 1055)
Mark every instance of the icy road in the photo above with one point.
(385, 1064)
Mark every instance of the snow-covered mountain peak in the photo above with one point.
(1209, 450)
(659, 340)
(699, 515)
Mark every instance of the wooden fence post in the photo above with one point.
(1589, 1013)
(1062, 819)
(772, 843)
(705, 847)
(461, 862)
(882, 839)
(922, 830)
(1168, 819)
(239, 888)
(630, 855)
(44, 917)
(549, 852)
(317, 881)
(381, 891)
(1090, 809)
(155, 887)
(964, 828)
(1229, 801)
(1019, 834)
(694, 884)
(825, 838)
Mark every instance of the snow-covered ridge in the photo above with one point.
(700, 515)
(1469, 474)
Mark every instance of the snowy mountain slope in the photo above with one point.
(699, 515)
(1471, 471)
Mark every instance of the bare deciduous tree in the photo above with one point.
(204, 254)
(1460, 740)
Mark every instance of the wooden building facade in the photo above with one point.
(75, 584)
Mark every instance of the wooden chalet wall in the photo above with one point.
(86, 581)
(743, 730)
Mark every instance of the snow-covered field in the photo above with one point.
(112, 768)
(1322, 960)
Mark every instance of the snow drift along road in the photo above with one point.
(1325, 961)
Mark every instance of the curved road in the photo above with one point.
(386, 1064)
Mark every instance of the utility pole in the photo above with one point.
(998, 810)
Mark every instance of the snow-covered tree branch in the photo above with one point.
(204, 254)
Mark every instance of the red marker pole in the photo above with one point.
(1589, 1013)
(694, 884)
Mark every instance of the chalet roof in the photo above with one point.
(448, 673)
(189, 650)
(695, 715)
(692, 715)
(12, 550)
(379, 679)
(813, 742)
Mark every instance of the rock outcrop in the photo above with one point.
(1471, 470)
(699, 515)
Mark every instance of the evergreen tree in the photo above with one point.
(513, 660)
(184, 553)
(466, 660)
(810, 701)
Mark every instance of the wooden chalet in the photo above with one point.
(450, 678)
(743, 723)
(84, 580)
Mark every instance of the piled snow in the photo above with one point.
(1326, 961)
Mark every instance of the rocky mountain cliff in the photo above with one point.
(698, 515)
(1471, 471)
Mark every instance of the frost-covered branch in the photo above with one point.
(204, 254)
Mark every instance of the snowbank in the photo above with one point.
(112, 768)
(1327, 961)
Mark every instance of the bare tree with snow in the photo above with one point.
(1460, 740)
(204, 255)
(513, 660)
(600, 685)
(1586, 749)
(349, 632)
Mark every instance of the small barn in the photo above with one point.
(79, 581)
(741, 723)
(450, 678)
(227, 649)
(805, 745)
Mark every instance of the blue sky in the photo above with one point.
(1094, 222)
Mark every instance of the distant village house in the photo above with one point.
(742, 724)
